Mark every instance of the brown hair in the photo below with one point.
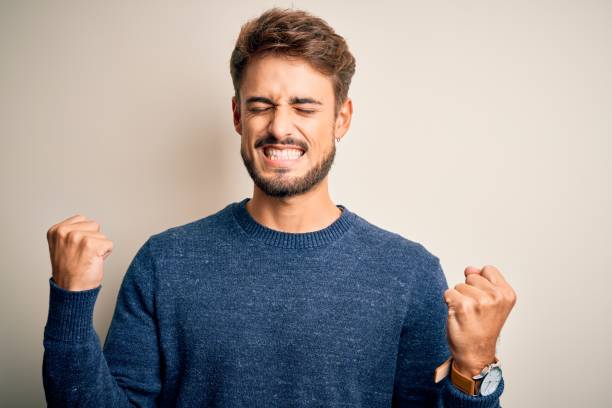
(295, 33)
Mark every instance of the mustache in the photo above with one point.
(271, 139)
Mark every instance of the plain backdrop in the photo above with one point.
(481, 129)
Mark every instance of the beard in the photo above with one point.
(281, 186)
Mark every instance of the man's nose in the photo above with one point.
(281, 122)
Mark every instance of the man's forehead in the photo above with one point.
(282, 78)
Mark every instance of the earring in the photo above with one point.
(338, 139)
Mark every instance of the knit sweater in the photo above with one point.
(226, 312)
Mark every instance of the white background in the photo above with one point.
(482, 129)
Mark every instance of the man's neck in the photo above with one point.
(308, 212)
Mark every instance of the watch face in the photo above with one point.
(491, 381)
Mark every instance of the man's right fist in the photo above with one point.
(78, 250)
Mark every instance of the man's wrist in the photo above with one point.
(462, 376)
(468, 371)
(463, 381)
(470, 368)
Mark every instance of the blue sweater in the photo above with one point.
(225, 312)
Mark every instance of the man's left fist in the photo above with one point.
(477, 310)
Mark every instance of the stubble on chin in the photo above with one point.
(283, 185)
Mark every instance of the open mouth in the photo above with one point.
(282, 154)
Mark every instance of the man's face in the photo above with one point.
(286, 120)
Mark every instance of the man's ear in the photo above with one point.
(343, 120)
(236, 115)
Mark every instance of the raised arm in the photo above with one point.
(424, 346)
(76, 372)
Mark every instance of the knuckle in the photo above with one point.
(497, 296)
(464, 306)
(473, 304)
(483, 303)
(489, 268)
(459, 307)
(74, 236)
(480, 304)
(512, 297)
(88, 242)
(472, 278)
(446, 295)
(61, 231)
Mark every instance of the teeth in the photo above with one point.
(282, 154)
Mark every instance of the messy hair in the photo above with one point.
(297, 34)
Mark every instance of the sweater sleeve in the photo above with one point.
(76, 371)
(424, 346)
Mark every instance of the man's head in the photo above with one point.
(291, 74)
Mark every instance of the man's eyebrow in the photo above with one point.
(298, 101)
(254, 99)
(293, 101)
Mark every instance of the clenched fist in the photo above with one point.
(477, 310)
(78, 250)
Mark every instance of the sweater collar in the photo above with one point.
(292, 239)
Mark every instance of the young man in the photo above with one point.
(284, 299)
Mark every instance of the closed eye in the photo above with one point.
(258, 109)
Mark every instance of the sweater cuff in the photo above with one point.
(70, 315)
(454, 397)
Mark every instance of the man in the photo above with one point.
(283, 299)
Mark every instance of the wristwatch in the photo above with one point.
(484, 383)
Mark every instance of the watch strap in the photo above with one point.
(442, 370)
(466, 384)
